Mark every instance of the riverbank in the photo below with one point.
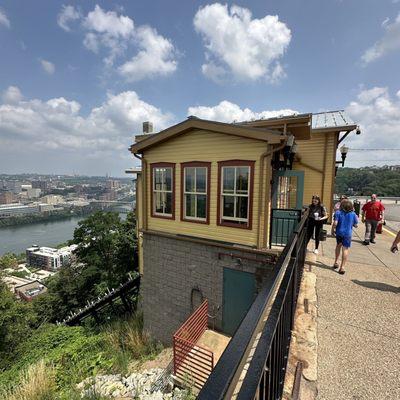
(48, 216)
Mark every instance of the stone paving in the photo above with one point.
(358, 321)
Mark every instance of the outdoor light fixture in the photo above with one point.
(343, 151)
(289, 152)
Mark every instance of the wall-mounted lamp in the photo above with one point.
(343, 151)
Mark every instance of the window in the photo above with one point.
(235, 193)
(163, 190)
(195, 191)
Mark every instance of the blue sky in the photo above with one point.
(78, 78)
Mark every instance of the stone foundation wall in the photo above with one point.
(179, 274)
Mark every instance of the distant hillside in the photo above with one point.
(365, 181)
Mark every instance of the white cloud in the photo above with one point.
(389, 42)
(12, 95)
(156, 56)
(67, 15)
(226, 111)
(115, 37)
(58, 124)
(235, 43)
(47, 66)
(4, 19)
(378, 115)
(109, 23)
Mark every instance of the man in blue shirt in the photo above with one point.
(342, 228)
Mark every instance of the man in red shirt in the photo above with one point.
(372, 214)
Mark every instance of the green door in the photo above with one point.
(238, 294)
(287, 202)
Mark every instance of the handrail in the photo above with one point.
(225, 375)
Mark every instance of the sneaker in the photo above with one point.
(365, 242)
(372, 241)
(316, 251)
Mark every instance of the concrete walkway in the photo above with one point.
(359, 321)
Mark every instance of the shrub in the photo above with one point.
(128, 340)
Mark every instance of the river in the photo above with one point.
(17, 238)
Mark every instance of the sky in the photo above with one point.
(78, 78)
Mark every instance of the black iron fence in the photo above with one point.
(253, 365)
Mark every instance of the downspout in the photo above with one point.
(261, 190)
(324, 169)
(144, 187)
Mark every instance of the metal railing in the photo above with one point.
(192, 363)
(283, 223)
(254, 363)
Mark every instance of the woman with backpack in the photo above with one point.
(316, 218)
(342, 228)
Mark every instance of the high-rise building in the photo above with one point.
(14, 186)
(43, 185)
(7, 198)
(112, 184)
(33, 193)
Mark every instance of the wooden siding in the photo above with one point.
(211, 147)
(318, 154)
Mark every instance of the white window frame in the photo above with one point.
(195, 193)
(163, 190)
(235, 194)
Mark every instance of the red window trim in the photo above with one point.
(236, 163)
(161, 165)
(203, 164)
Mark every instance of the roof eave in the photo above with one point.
(265, 135)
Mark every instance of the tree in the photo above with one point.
(106, 253)
(8, 260)
(16, 321)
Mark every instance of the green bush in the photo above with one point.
(74, 353)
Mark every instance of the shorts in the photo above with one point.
(344, 240)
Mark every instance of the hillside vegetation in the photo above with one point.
(40, 360)
(368, 180)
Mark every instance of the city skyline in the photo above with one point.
(98, 70)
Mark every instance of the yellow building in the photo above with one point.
(210, 194)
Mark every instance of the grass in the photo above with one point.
(37, 383)
(129, 341)
(71, 354)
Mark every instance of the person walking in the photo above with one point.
(337, 205)
(372, 213)
(316, 217)
(342, 228)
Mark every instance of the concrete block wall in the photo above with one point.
(176, 271)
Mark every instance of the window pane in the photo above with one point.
(201, 206)
(158, 202)
(189, 179)
(190, 205)
(228, 206)
(201, 178)
(241, 207)
(168, 203)
(157, 179)
(228, 179)
(167, 179)
(242, 179)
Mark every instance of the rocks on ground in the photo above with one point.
(139, 385)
